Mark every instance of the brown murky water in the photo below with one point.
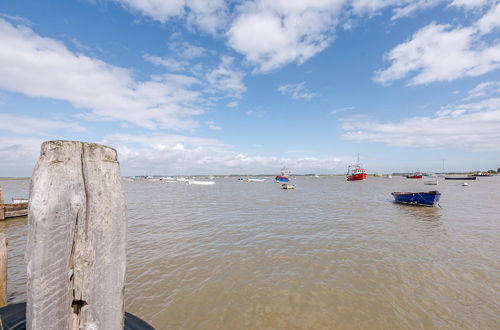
(329, 254)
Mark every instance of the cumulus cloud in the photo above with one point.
(439, 52)
(272, 33)
(43, 67)
(177, 154)
(297, 91)
(474, 126)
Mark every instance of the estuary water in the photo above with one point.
(330, 254)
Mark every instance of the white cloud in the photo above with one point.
(177, 154)
(206, 15)
(339, 110)
(490, 21)
(414, 6)
(297, 91)
(43, 67)
(18, 155)
(473, 126)
(471, 4)
(483, 89)
(441, 53)
(167, 62)
(225, 78)
(271, 33)
(33, 125)
(211, 124)
(233, 104)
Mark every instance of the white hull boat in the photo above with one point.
(255, 180)
(201, 183)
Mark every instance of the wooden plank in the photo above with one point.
(2, 212)
(76, 239)
(3, 270)
(17, 213)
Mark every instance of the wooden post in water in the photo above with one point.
(3, 270)
(76, 239)
(2, 207)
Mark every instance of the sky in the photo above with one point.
(184, 87)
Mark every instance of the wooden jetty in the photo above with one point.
(77, 222)
(12, 210)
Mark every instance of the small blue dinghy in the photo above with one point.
(425, 198)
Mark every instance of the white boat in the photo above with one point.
(465, 184)
(168, 179)
(182, 179)
(287, 186)
(316, 176)
(388, 176)
(201, 183)
(256, 180)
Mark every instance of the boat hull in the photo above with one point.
(201, 183)
(460, 178)
(425, 198)
(414, 176)
(357, 177)
(282, 179)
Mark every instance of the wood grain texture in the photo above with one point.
(76, 238)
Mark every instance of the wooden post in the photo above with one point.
(77, 221)
(2, 208)
(3, 270)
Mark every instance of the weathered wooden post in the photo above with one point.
(2, 208)
(3, 270)
(76, 239)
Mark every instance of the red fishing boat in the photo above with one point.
(355, 172)
(417, 175)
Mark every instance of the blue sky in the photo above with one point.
(213, 86)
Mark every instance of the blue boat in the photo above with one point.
(284, 177)
(425, 198)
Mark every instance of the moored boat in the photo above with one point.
(355, 172)
(460, 178)
(424, 198)
(256, 180)
(417, 175)
(284, 177)
(287, 186)
(201, 183)
(486, 174)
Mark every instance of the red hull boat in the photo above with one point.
(357, 176)
(414, 176)
(355, 172)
